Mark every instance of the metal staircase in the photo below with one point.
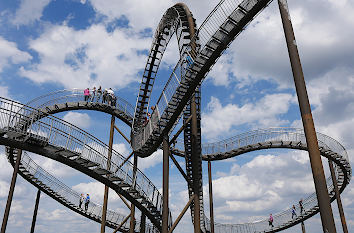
(61, 141)
(54, 188)
(221, 27)
(290, 138)
(194, 164)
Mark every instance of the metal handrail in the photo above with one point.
(77, 95)
(276, 135)
(204, 34)
(56, 132)
(70, 196)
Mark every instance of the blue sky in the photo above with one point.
(53, 45)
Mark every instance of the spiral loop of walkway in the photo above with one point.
(35, 131)
(289, 138)
(61, 141)
(240, 144)
(60, 192)
(220, 28)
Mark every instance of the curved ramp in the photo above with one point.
(289, 138)
(63, 194)
(73, 99)
(61, 141)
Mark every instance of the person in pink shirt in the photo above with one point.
(271, 220)
(87, 94)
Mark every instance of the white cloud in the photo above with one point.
(220, 119)
(141, 14)
(4, 92)
(10, 54)
(81, 58)
(260, 53)
(29, 11)
(81, 120)
(267, 183)
(122, 149)
(151, 161)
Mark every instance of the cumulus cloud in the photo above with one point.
(137, 12)
(10, 54)
(260, 185)
(29, 11)
(121, 148)
(220, 119)
(260, 53)
(151, 161)
(81, 120)
(80, 58)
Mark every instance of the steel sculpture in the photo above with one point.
(60, 192)
(255, 140)
(33, 129)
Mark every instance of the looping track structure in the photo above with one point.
(27, 128)
(240, 144)
(31, 127)
(60, 192)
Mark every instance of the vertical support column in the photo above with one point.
(306, 115)
(211, 199)
(165, 180)
(303, 227)
(35, 211)
(339, 201)
(106, 188)
(142, 223)
(11, 191)
(132, 207)
(195, 171)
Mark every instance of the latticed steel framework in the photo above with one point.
(39, 134)
(30, 127)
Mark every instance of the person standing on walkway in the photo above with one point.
(87, 94)
(301, 206)
(270, 221)
(82, 199)
(104, 97)
(293, 212)
(93, 94)
(99, 93)
(110, 96)
(87, 202)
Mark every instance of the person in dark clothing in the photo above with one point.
(82, 199)
(301, 206)
(104, 97)
(87, 201)
(114, 100)
(99, 93)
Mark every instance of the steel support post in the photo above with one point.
(195, 171)
(11, 191)
(339, 201)
(132, 207)
(211, 199)
(165, 179)
(106, 188)
(35, 211)
(194, 129)
(142, 223)
(303, 227)
(307, 120)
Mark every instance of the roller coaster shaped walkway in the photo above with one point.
(34, 129)
(14, 115)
